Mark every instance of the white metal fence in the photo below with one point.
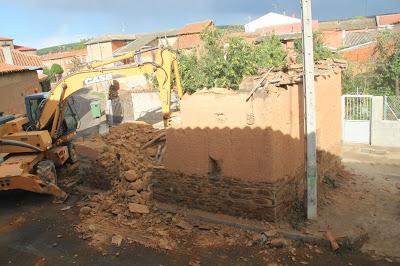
(357, 118)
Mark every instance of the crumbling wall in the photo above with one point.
(247, 158)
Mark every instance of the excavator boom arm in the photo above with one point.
(163, 67)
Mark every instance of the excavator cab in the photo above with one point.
(34, 104)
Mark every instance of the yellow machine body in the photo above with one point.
(26, 149)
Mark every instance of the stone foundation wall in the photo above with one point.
(258, 200)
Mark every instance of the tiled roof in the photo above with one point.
(24, 48)
(143, 40)
(196, 27)
(359, 38)
(135, 45)
(189, 35)
(21, 59)
(6, 68)
(112, 37)
(5, 39)
(349, 24)
(53, 56)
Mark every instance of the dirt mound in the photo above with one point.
(117, 159)
(117, 164)
(121, 163)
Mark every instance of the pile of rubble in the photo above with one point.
(292, 74)
(121, 210)
(118, 164)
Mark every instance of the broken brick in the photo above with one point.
(138, 208)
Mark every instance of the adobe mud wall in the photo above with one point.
(226, 148)
(14, 87)
(248, 140)
(260, 140)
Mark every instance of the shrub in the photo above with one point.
(56, 69)
(223, 62)
(320, 51)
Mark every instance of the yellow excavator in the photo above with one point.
(38, 142)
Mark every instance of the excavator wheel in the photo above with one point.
(47, 172)
(73, 158)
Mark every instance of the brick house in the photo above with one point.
(334, 31)
(190, 35)
(25, 49)
(166, 38)
(388, 20)
(102, 47)
(66, 60)
(5, 41)
(355, 38)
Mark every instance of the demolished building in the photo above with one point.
(243, 152)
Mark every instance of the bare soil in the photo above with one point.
(108, 215)
(368, 202)
(100, 227)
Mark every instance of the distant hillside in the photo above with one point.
(63, 48)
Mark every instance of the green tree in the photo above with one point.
(387, 72)
(192, 76)
(320, 51)
(223, 61)
(270, 53)
(50, 74)
(358, 79)
(56, 69)
(381, 75)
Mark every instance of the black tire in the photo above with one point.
(46, 170)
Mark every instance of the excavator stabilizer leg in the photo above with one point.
(31, 183)
(14, 174)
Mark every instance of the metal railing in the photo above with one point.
(357, 107)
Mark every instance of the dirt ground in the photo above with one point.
(369, 203)
(104, 228)
(33, 231)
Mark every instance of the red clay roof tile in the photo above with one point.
(52, 56)
(6, 68)
(21, 48)
(196, 27)
(21, 59)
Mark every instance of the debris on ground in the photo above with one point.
(120, 207)
(278, 243)
(329, 236)
(116, 240)
(123, 161)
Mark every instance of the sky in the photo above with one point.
(44, 23)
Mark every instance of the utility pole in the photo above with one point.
(309, 94)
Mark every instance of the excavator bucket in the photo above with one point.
(14, 174)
